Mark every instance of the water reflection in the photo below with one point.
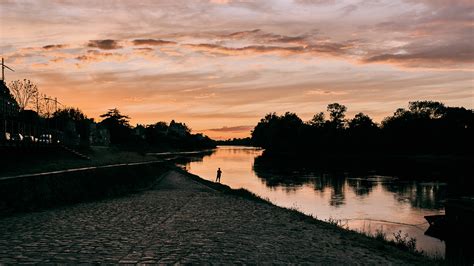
(361, 187)
(367, 202)
(427, 195)
(291, 174)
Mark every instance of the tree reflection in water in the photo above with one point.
(292, 174)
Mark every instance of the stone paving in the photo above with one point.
(182, 221)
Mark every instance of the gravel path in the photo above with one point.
(182, 221)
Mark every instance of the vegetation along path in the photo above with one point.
(179, 221)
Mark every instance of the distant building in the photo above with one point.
(8, 105)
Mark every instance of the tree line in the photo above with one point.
(36, 111)
(28, 96)
(154, 137)
(160, 135)
(426, 127)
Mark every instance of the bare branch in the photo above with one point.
(25, 93)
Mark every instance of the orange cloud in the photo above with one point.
(328, 48)
(96, 56)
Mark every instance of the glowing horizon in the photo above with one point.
(221, 65)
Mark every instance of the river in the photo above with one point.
(362, 202)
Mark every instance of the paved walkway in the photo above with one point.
(182, 221)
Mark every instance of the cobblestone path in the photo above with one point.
(182, 221)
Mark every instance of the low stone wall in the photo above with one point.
(37, 191)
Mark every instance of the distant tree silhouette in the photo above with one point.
(179, 129)
(362, 133)
(425, 127)
(319, 120)
(430, 127)
(263, 134)
(176, 135)
(64, 118)
(361, 122)
(427, 109)
(236, 141)
(280, 132)
(114, 116)
(118, 126)
(70, 113)
(337, 113)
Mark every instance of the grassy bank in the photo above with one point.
(59, 159)
(33, 192)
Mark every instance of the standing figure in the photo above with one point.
(219, 173)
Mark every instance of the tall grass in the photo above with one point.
(400, 240)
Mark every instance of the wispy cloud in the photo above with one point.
(96, 55)
(428, 55)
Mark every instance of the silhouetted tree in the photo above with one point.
(337, 113)
(263, 133)
(236, 141)
(319, 120)
(114, 116)
(280, 132)
(425, 127)
(161, 136)
(118, 126)
(428, 109)
(71, 113)
(179, 129)
(24, 92)
(362, 133)
(361, 122)
(68, 117)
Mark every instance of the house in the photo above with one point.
(8, 105)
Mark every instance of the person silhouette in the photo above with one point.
(219, 173)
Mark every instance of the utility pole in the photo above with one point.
(3, 69)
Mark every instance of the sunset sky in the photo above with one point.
(221, 65)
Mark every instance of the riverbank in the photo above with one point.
(58, 159)
(183, 219)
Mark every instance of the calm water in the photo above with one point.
(365, 203)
